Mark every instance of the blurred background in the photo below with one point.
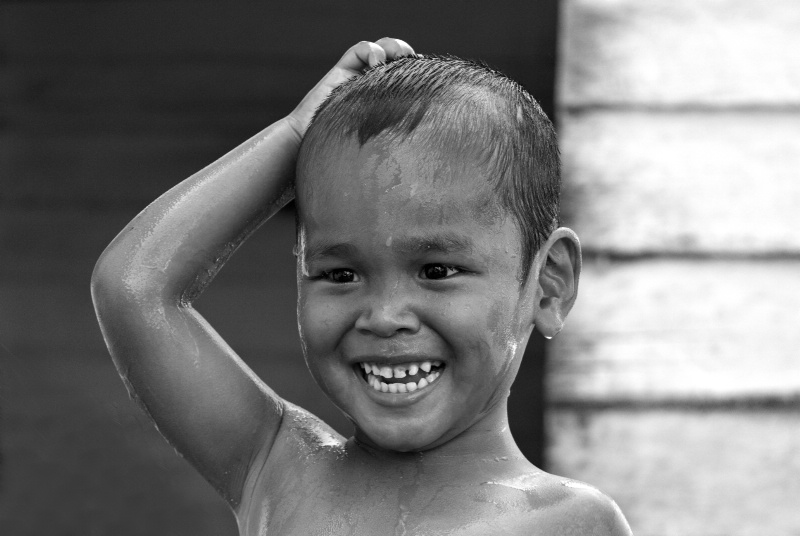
(105, 106)
(674, 387)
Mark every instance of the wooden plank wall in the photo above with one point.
(676, 385)
(104, 105)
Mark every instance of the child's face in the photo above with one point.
(406, 261)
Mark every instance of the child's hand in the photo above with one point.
(357, 58)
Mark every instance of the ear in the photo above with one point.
(559, 269)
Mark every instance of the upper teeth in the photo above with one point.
(375, 373)
(400, 371)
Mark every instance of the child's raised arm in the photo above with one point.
(207, 403)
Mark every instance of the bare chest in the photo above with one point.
(402, 505)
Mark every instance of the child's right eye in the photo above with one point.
(340, 275)
(439, 271)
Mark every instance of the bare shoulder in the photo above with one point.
(553, 506)
(302, 457)
(302, 439)
(583, 510)
(304, 430)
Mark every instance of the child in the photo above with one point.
(427, 250)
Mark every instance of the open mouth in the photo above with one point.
(402, 378)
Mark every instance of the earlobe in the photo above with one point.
(558, 275)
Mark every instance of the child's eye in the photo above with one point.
(340, 275)
(438, 271)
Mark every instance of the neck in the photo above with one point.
(487, 441)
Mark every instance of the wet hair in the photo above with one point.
(460, 105)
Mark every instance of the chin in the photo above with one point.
(401, 438)
(399, 444)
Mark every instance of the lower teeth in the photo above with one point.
(410, 387)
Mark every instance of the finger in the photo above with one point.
(395, 48)
(376, 55)
(362, 55)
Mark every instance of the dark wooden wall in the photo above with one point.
(104, 105)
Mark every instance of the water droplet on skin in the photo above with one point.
(389, 242)
(548, 337)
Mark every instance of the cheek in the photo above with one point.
(319, 322)
(480, 333)
(504, 327)
(322, 327)
(503, 338)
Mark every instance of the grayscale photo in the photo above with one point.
(358, 269)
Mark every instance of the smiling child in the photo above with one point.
(427, 251)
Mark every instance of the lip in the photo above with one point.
(393, 360)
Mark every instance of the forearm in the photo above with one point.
(178, 243)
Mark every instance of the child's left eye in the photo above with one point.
(340, 275)
(438, 271)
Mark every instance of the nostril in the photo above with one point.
(386, 321)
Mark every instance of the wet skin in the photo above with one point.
(404, 257)
(347, 488)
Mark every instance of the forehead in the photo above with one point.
(429, 184)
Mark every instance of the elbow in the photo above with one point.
(126, 301)
(109, 274)
(134, 272)
(107, 283)
(122, 284)
(101, 273)
(118, 282)
(105, 289)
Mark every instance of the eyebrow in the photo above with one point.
(329, 249)
(443, 242)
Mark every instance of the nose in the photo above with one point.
(387, 312)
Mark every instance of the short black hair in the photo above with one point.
(466, 104)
